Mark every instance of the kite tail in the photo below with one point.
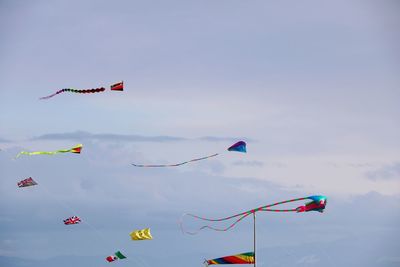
(84, 91)
(173, 165)
(240, 215)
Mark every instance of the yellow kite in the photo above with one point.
(141, 234)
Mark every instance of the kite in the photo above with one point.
(141, 234)
(72, 220)
(83, 91)
(243, 258)
(117, 87)
(26, 182)
(239, 147)
(76, 149)
(117, 255)
(317, 203)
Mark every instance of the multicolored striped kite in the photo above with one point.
(76, 149)
(317, 203)
(26, 182)
(243, 258)
(239, 147)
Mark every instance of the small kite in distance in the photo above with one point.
(117, 87)
(117, 256)
(26, 182)
(72, 220)
(76, 149)
(239, 147)
(141, 234)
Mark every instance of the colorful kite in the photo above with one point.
(117, 87)
(26, 182)
(141, 234)
(239, 147)
(72, 220)
(83, 91)
(317, 203)
(76, 149)
(243, 258)
(117, 255)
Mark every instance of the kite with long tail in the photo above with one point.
(238, 147)
(115, 87)
(317, 203)
(76, 149)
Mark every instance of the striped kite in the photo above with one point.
(26, 182)
(143, 234)
(317, 203)
(243, 258)
(238, 147)
(76, 149)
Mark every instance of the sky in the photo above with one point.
(311, 86)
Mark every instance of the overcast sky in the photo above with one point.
(311, 86)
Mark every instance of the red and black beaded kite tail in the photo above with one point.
(84, 91)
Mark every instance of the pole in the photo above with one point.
(254, 237)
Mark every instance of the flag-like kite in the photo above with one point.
(76, 149)
(117, 256)
(243, 258)
(239, 147)
(72, 220)
(26, 182)
(143, 234)
(317, 203)
(117, 87)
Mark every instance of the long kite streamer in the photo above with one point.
(317, 203)
(76, 149)
(83, 91)
(243, 258)
(238, 147)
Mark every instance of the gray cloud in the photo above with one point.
(252, 163)
(82, 135)
(2, 140)
(388, 172)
